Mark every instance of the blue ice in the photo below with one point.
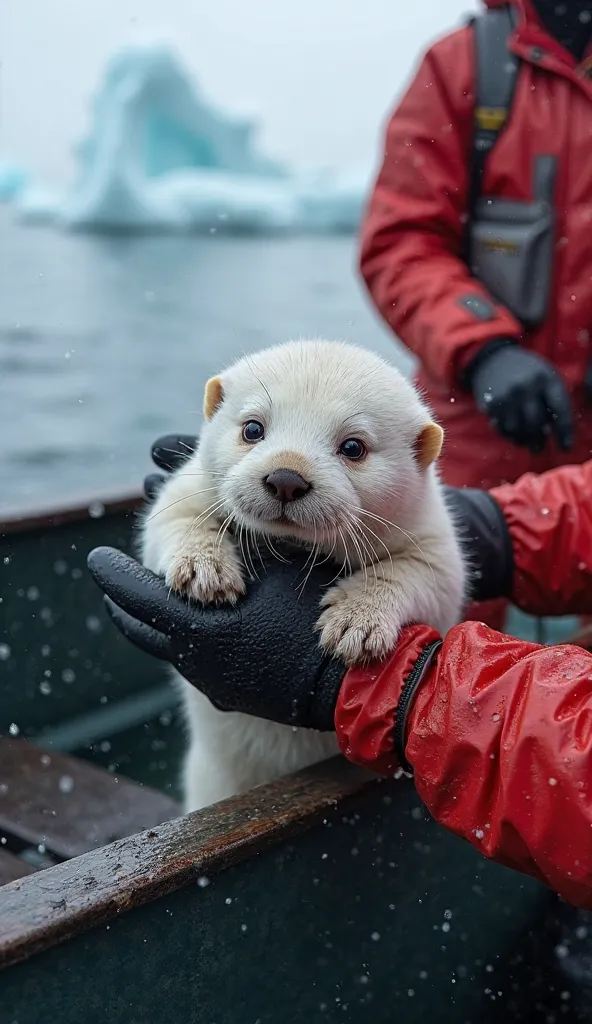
(158, 157)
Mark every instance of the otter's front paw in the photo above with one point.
(210, 575)
(358, 625)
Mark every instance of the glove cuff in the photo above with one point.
(324, 696)
(482, 356)
(485, 537)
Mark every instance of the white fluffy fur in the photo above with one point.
(386, 514)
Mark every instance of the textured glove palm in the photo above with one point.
(261, 657)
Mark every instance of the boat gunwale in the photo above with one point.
(79, 509)
(46, 908)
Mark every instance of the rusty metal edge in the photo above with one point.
(47, 908)
(79, 509)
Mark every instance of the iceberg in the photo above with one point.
(12, 180)
(158, 157)
(331, 202)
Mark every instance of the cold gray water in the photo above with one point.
(106, 342)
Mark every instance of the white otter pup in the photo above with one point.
(327, 444)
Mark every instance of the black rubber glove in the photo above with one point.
(486, 542)
(523, 396)
(169, 452)
(261, 657)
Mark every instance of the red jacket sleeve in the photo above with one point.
(550, 522)
(412, 234)
(500, 740)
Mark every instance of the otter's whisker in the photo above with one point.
(223, 529)
(368, 549)
(358, 550)
(409, 536)
(240, 544)
(346, 564)
(194, 494)
(347, 558)
(246, 553)
(249, 361)
(208, 513)
(312, 551)
(183, 455)
(273, 551)
(307, 577)
(312, 559)
(337, 574)
(329, 553)
(203, 518)
(248, 538)
(380, 519)
(364, 526)
(258, 550)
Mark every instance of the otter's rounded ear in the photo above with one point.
(429, 444)
(213, 396)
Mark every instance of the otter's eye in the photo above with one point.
(352, 449)
(253, 432)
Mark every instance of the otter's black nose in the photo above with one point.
(286, 485)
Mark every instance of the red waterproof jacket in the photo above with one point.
(413, 230)
(499, 734)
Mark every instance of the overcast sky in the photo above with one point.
(319, 74)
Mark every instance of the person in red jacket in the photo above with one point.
(496, 731)
(499, 318)
(501, 377)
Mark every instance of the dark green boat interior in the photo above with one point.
(70, 681)
(330, 898)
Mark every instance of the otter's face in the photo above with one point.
(287, 465)
(308, 481)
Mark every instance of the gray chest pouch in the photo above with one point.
(508, 244)
(512, 246)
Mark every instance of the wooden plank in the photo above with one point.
(21, 520)
(371, 914)
(69, 805)
(12, 867)
(79, 894)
